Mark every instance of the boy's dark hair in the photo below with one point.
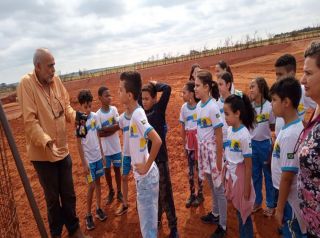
(313, 51)
(288, 61)
(132, 83)
(206, 78)
(287, 87)
(190, 87)
(193, 67)
(242, 103)
(227, 77)
(223, 65)
(151, 88)
(85, 96)
(101, 90)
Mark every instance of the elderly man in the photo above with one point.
(46, 108)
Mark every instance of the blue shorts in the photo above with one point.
(126, 165)
(96, 170)
(116, 160)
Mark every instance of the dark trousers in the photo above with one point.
(57, 183)
(166, 203)
(193, 165)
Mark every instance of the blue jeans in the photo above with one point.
(291, 227)
(147, 200)
(246, 230)
(260, 158)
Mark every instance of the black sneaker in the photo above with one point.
(89, 222)
(190, 201)
(174, 233)
(210, 219)
(120, 196)
(200, 198)
(100, 214)
(122, 210)
(110, 197)
(219, 233)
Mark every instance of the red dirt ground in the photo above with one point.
(245, 65)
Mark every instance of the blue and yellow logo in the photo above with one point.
(143, 144)
(235, 146)
(301, 110)
(192, 117)
(276, 151)
(133, 131)
(262, 117)
(204, 122)
(111, 121)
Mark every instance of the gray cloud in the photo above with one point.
(95, 34)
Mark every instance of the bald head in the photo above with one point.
(40, 54)
(44, 65)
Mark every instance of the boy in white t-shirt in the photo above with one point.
(286, 95)
(109, 119)
(124, 123)
(286, 65)
(91, 157)
(145, 170)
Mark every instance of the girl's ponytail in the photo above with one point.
(241, 102)
(215, 90)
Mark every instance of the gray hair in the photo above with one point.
(38, 55)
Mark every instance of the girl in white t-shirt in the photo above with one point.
(240, 117)
(224, 84)
(209, 133)
(188, 120)
(261, 144)
(222, 67)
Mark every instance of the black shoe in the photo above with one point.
(101, 215)
(190, 201)
(219, 233)
(195, 202)
(210, 219)
(174, 233)
(89, 222)
(120, 196)
(110, 197)
(200, 198)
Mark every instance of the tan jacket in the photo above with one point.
(45, 117)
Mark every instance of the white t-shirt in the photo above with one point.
(283, 157)
(90, 144)
(124, 123)
(138, 143)
(188, 116)
(238, 147)
(305, 103)
(208, 119)
(264, 119)
(110, 144)
(223, 118)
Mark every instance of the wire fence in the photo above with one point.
(9, 224)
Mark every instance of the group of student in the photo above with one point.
(227, 137)
(144, 147)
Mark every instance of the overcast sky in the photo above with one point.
(94, 34)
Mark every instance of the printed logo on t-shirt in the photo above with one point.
(133, 130)
(126, 128)
(192, 118)
(143, 122)
(235, 146)
(92, 125)
(276, 151)
(262, 117)
(143, 143)
(217, 115)
(111, 121)
(301, 109)
(204, 122)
